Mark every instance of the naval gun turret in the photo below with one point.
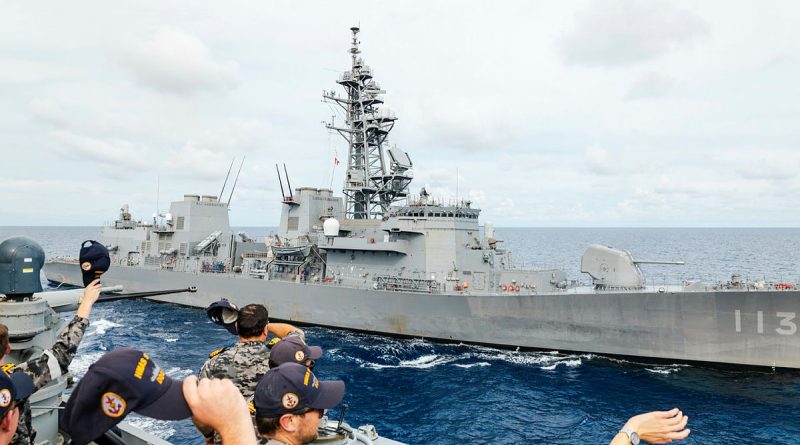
(615, 269)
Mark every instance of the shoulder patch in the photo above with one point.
(252, 407)
(217, 352)
(8, 368)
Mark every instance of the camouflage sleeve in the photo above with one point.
(205, 371)
(55, 362)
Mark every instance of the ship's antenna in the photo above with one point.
(158, 192)
(226, 178)
(280, 181)
(235, 181)
(456, 186)
(288, 184)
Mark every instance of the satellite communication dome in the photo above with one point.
(331, 227)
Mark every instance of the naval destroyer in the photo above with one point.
(378, 259)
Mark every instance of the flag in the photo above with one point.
(335, 161)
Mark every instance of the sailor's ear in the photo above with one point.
(266, 330)
(289, 423)
(5, 423)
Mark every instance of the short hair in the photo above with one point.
(267, 426)
(252, 320)
(3, 339)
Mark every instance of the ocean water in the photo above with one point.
(417, 392)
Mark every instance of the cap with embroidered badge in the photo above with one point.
(94, 260)
(224, 313)
(15, 387)
(291, 387)
(121, 381)
(293, 349)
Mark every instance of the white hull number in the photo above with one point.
(786, 322)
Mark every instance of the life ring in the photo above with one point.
(504, 287)
(516, 288)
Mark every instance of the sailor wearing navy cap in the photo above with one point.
(122, 381)
(290, 402)
(126, 380)
(14, 390)
(293, 350)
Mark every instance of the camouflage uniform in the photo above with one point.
(39, 369)
(244, 363)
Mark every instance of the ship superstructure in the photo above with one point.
(383, 261)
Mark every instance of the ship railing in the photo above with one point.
(399, 284)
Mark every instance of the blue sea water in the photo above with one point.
(416, 392)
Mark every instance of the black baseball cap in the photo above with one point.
(224, 313)
(14, 388)
(293, 349)
(94, 260)
(292, 388)
(121, 381)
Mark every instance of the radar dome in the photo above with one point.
(331, 227)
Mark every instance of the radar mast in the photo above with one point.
(376, 175)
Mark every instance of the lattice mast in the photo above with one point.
(374, 179)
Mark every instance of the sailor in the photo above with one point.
(290, 402)
(120, 382)
(293, 349)
(248, 360)
(126, 380)
(55, 361)
(14, 391)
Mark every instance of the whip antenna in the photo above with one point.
(226, 178)
(236, 181)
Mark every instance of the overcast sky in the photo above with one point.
(591, 113)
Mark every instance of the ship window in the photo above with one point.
(294, 222)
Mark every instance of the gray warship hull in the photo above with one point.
(741, 328)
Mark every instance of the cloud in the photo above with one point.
(119, 154)
(48, 113)
(651, 85)
(174, 61)
(770, 168)
(200, 163)
(614, 33)
(601, 162)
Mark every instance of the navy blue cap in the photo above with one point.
(94, 260)
(291, 388)
(15, 387)
(224, 313)
(121, 381)
(293, 349)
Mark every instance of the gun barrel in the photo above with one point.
(676, 263)
(115, 297)
(67, 300)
